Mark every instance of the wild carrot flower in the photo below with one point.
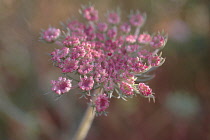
(112, 56)
(144, 54)
(157, 41)
(112, 33)
(144, 38)
(71, 41)
(154, 60)
(144, 89)
(51, 34)
(126, 88)
(131, 38)
(125, 27)
(113, 18)
(86, 83)
(85, 68)
(102, 27)
(101, 103)
(75, 26)
(59, 54)
(62, 85)
(77, 52)
(90, 13)
(69, 65)
(137, 19)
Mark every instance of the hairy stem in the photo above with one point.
(87, 120)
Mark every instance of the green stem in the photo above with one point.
(87, 120)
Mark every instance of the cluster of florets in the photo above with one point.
(111, 55)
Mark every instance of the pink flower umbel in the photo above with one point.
(51, 34)
(137, 19)
(154, 60)
(112, 33)
(62, 85)
(113, 18)
(144, 89)
(102, 27)
(71, 41)
(90, 13)
(77, 52)
(112, 56)
(131, 39)
(86, 83)
(125, 27)
(144, 54)
(85, 68)
(69, 65)
(144, 38)
(126, 88)
(58, 54)
(157, 41)
(101, 103)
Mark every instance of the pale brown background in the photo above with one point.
(182, 84)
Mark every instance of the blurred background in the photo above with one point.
(182, 84)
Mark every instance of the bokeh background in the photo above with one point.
(182, 84)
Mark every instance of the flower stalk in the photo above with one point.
(87, 120)
(85, 124)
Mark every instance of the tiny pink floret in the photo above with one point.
(85, 69)
(90, 13)
(51, 34)
(69, 65)
(154, 60)
(125, 27)
(101, 103)
(86, 83)
(59, 54)
(144, 38)
(112, 33)
(71, 41)
(62, 85)
(113, 18)
(131, 39)
(126, 88)
(144, 89)
(137, 19)
(102, 27)
(157, 41)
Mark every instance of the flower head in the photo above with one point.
(113, 18)
(85, 68)
(112, 33)
(157, 41)
(102, 27)
(78, 52)
(112, 56)
(69, 65)
(51, 34)
(144, 89)
(71, 41)
(137, 19)
(59, 54)
(154, 60)
(125, 27)
(144, 38)
(126, 88)
(86, 83)
(76, 26)
(131, 39)
(101, 103)
(90, 13)
(62, 85)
